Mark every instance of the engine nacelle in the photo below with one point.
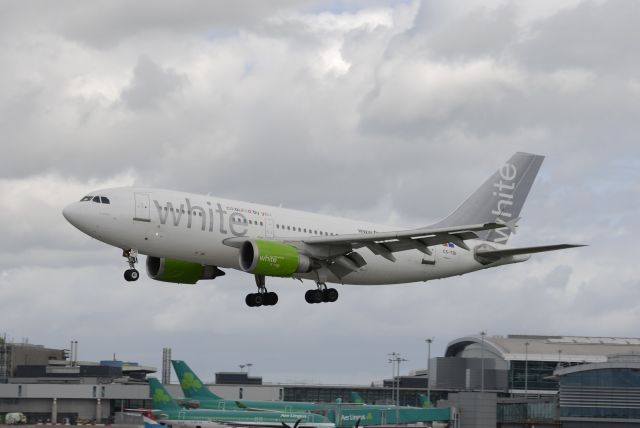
(179, 271)
(273, 258)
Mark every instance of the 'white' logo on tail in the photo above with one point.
(504, 192)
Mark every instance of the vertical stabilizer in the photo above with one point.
(160, 397)
(424, 402)
(499, 199)
(356, 398)
(191, 385)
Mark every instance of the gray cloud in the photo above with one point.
(150, 85)
(390, 112)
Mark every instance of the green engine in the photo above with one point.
(179, 271)
(273, 259)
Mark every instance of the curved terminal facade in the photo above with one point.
(520, 364)
(607, 392)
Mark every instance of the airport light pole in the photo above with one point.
(396, 359)
(392, 359)
(242, 366)
(248, 368)
(559, 358)
(482, 334)
(526, 370)
(429, 340)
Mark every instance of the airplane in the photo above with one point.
(195, 390)
(356, 398)
(188, 237)
(424, 401)
(168, 412)
(198, 394)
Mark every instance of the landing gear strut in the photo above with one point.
(321, 295)
(262, 297)
(131, 274)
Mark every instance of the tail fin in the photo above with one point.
(424, 403)
(499, 199)
(191, 385)
(160, 397)
(356, 398)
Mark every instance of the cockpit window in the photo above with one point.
(104, 200)
(86, 198)
(96, 199)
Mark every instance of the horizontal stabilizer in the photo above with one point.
(493, 254)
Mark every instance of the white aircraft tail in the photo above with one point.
(499, 199)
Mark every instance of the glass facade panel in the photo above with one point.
(599, 412)
(619, 378)
(536, 372)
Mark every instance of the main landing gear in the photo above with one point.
(262, 297)
(321, 295)
(131, 274)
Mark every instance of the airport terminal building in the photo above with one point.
(519, 364)
(491, 380)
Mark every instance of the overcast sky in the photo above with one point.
(391, 112)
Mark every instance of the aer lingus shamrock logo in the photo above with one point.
(189, 381)
(160, 396)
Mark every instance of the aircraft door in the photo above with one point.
(268, 228)
(142, 207)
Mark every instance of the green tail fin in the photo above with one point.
(356, 398)
(160, 397)
(191, 385)
(423, 401)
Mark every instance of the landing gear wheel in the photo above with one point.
(249, 300)
(313, 296)
(262, 297)
(270, 298)
(254, 299)
(330, 295)
(258, 299)
(131, 275)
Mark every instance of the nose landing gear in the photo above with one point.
(131, 274)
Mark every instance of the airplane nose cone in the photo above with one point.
(70, 212)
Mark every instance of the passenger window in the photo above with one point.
(260, 223)
(288, 227)
(96, 199)
(104, 200)
(305, 230)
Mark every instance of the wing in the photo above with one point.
(337, 253)
(386, 243)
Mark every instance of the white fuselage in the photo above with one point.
(193, 228)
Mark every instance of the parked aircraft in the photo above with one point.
(188, 237)
(167, 411)
(194, 389)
